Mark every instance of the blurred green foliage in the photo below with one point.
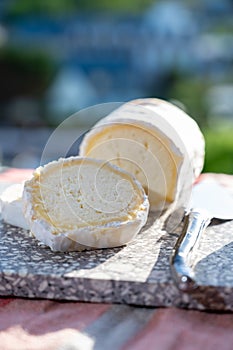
(27, 71)
(219, 150)
(188, 90)
(26, 60)
(25, 7)
(191, 92)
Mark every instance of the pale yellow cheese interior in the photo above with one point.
(78, 193)
(145, 154)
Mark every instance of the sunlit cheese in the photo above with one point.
(78, 203)
(11, 206)
(155, 141)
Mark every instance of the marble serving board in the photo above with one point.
(137, 274)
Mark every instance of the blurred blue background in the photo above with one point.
(60, 56)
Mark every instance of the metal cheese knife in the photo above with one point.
(208, 200)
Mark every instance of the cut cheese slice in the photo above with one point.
(155, 141)
(78, 203)
(11, 206)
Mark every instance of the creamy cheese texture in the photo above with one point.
(155, 141)
(11, 206)
(77, 203)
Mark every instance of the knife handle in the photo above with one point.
(194, 225)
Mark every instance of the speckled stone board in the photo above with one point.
(138, 273)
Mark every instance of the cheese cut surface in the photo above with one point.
(78, 203)
(11, 206)
(155, 141)
(141, 153)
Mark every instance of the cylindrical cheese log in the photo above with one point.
(155, 141)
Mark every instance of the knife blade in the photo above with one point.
(208, 200)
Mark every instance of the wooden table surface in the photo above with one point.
(27, 324)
